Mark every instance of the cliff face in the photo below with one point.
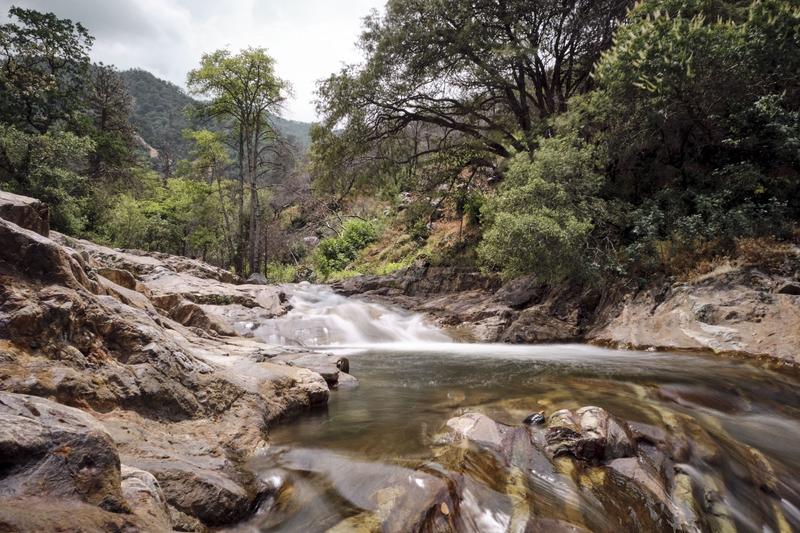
(734, 310)
(127, 396)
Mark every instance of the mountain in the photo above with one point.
(159, 115)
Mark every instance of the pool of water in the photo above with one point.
(333, 463)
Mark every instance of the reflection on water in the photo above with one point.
(340, 467)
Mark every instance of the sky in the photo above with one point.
(309, 39)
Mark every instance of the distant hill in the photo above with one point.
(159, 114)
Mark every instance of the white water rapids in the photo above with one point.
(320, 317)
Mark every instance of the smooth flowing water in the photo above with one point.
(336, 466)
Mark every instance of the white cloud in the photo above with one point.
(308, 38)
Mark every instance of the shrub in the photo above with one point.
(541, 221)
(335, 253)
(278, 272)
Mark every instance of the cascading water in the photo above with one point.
(322, 318)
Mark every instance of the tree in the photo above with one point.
(481, 77)
(109, 106)
(45, 64)
(43, 71)
(244, 89)
(693, 124)
(543, 218)
(209, 161)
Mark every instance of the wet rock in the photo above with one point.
(590, 434)
(642, 475)
(327, 366)
(25, 212)
(535, 419)
(183, 522)
(50, 450)
(476, 427)
(210, 496)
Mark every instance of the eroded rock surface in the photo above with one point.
(145, 347)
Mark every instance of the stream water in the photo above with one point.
(335, 467)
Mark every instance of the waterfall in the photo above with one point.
(320, 317)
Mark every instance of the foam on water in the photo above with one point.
(320, 317)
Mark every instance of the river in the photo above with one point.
(333, 468)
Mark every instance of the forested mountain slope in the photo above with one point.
(159, 114)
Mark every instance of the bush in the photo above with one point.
(335, 253)
(281, 272)
(541, 221)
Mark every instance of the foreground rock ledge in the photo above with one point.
(129, 400)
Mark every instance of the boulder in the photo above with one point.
(211, 496)
(25, 212)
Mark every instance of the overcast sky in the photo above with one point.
(308, 38)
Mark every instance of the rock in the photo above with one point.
(257, 279)
(184, 522)
(589, 434)
(210, 496)
(521, 292)
(476, 427)
(39, 258)
(50, 450)
(179, 403)
(726, 311)
(143, 494)
(789, 288)
(191, 314)
(535, 419)
(25, 212)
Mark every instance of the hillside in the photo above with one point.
(159, 114)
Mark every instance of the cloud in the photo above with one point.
(308, 38)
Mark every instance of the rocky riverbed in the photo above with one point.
(143, 392)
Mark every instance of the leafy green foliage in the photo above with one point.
(694, 124)
(542, 219)
(45, 61)
(182, 217)
(335, 253)
(281, 272)
(52, 161)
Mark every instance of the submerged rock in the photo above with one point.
(590, 434)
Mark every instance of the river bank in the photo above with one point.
(742, 310)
